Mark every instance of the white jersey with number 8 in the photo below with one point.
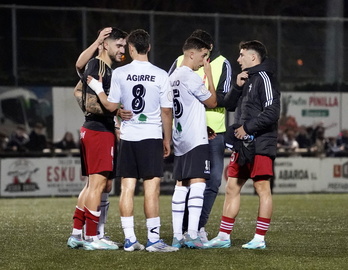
(143, 89)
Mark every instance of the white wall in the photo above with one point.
(67, 115)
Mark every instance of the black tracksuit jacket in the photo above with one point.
(257, 107)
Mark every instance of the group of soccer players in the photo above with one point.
(158, 110)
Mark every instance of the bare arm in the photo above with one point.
(78, 95)
(91, 104)
(89, 52)
(97, 87)
(124, 114)
(167, 118)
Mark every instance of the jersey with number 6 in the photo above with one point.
(190, 128)
(144, 89)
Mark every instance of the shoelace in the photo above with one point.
(161, 245)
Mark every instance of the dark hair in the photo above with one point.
(255, 45)
(39, 125)
(195, 43)
(203, 35)
(140, 39)
(117, 34)
(21, 127)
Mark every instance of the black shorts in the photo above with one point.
(193, 164)
(142, 159)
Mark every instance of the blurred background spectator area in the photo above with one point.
(40, 45)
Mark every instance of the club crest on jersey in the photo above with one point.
(170, 96)
(178, 130)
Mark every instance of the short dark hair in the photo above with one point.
(140, 39)
(255, 45)
(117, 33)
(195, 43)
(21, 127)
(203, 35)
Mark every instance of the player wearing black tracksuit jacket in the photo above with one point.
(258, 107)
(256, 100)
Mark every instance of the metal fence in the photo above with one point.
(39, 45)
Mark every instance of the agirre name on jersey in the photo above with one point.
(149, 78)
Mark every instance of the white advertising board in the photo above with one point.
(334, 175)
(296, 175)
(343, 116)
(312, 108)
(22, 177)
(61, 176)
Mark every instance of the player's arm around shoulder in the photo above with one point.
(90, 104)
(93, 106)
(97, 87)
(211, 102)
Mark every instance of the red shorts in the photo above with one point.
(262, 166)
(97, 151)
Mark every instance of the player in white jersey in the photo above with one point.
(144, 89)
(190, 137)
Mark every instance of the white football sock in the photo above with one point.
(195, 204)
(178, 209)
(153, 229)
(128, 228)
(104, 207)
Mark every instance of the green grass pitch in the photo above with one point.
(307, 231)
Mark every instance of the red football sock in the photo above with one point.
(91, 223)
(79, 218)
(262, 225)
(226, 224)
